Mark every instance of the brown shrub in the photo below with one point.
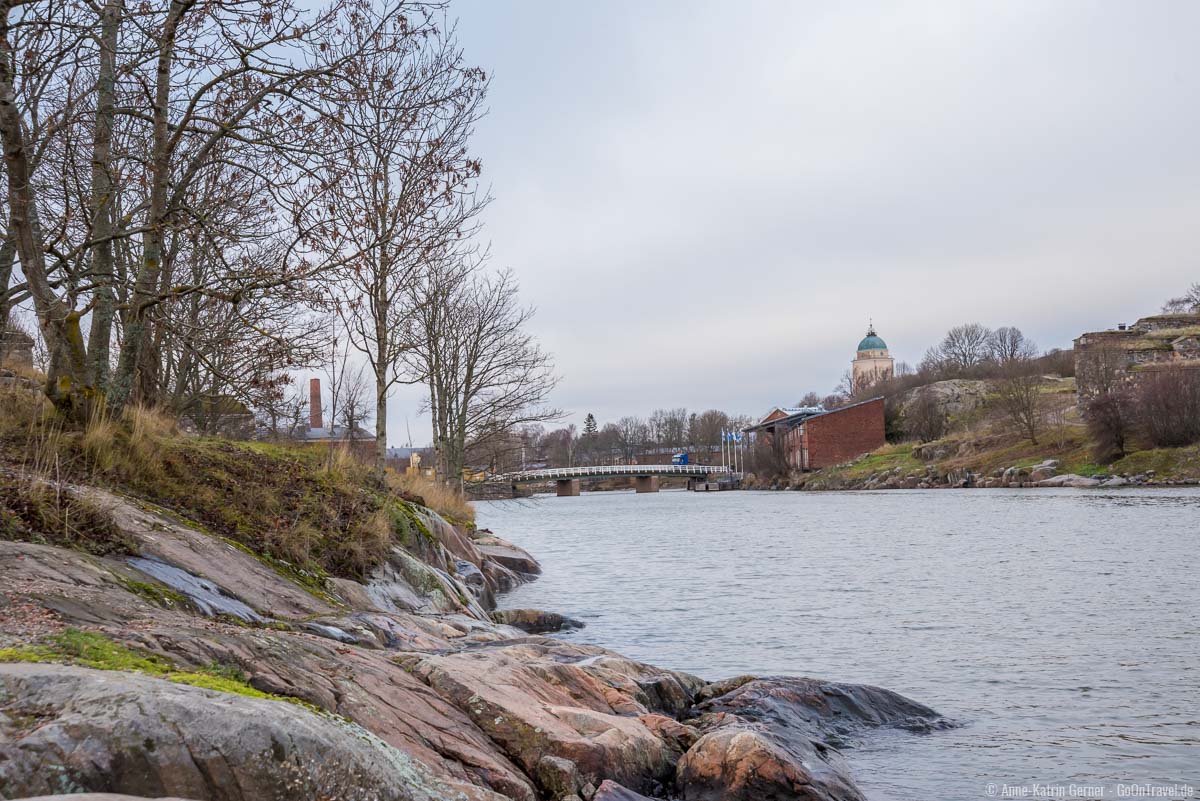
(441, 498)
(925, 419)
(1109, 421)
(1168, 406)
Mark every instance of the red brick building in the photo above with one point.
(814, 438)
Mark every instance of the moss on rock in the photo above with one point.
(94, 650)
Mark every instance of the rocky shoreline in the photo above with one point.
(200, 670)
(932, 476)
(937, 465)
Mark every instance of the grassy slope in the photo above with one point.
(292, 505)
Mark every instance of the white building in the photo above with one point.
(872, 363)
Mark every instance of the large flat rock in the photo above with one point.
(75, 729)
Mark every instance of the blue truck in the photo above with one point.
(679, 458)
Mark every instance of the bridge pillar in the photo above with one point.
(646, 483)
(567, 487)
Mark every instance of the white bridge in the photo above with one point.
(645, 476)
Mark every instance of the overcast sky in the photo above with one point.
(706, 201)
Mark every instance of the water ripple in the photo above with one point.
(1059, 624)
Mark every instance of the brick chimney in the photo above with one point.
(314, 403)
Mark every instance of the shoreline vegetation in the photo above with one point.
(199, 618)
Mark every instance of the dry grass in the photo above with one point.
(33, 510)
(445, 500)
(341, 462)
(99, 441)
(316, 511)
(147, 429)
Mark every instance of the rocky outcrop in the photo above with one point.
(68, 729)
(953, 397)
(535, 621)
(260, 674)
(538, 698)
(780, 738)
(506, 554)
(1069, 480)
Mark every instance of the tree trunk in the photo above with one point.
(134, 347)
(380, 427)
(380, 365)
(100, 335)
(8, 258)
(67, 380)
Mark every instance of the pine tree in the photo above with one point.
(589, 425)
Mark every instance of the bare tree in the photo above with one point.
(281, 408)
(932, 364)
(1057, 416)
(356, 402)
(670, 427)
(484, 372)
(1168, 406)
(403, 188)
(705, 428)
(1109, 419)
(117, 122)
(634, 436)
(925, 418)
(1187, 303)
(1007, 345)
(965, 346)
(809, 399)
(1019, 397)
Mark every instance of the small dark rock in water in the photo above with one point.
(535, 621)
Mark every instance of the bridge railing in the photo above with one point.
(589, 471)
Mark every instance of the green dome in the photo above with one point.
(871, 341)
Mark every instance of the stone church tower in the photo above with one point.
(872, 363)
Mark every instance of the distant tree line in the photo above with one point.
(627, 440)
